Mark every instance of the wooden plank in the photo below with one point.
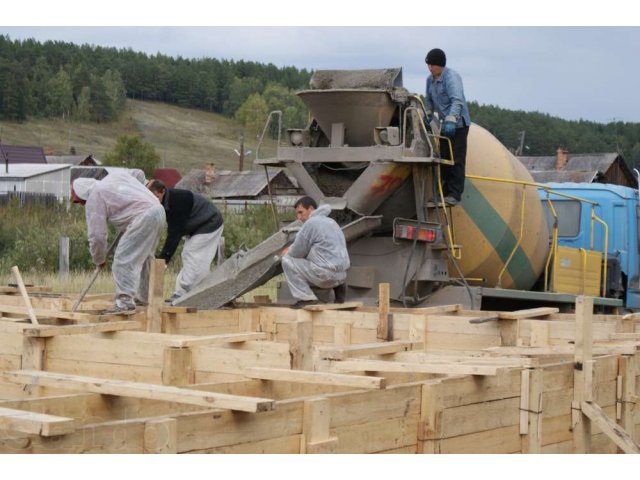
(359, 365)
(214, 339)
(139, 390)
(627, 399)
(28, 288)
(342, 334)
(532, 441)
(315, 427)
(528, 313)
(156, 295)
(25, 295)
(378, 348)
(617, 435)
(583, 353)
(384, 332)
(174, 309)
(48, 313)
(177, 366)
(43, 331)
(161, 436)
(323, 378)
(333, 306)
(301, 341)
(32, 423)
(430, 425)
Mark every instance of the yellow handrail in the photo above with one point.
(515, 247)
(553, 251)
(606, 249)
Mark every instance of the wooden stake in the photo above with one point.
(156, 296)
(582, 368)
(384, 332)
(25, 295)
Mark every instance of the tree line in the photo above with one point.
(87, 82)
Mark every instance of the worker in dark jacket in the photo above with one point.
(192, 216)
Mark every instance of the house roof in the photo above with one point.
(73, 159)
(169, 176)
(545, 176)
(229, 183)
(22, 154)
(29, 170)
(581, 162)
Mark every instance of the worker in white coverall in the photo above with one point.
(318, 256)
(123, 201)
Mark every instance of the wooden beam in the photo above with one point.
(431, 413)
(333, 306)
(42, 331)
(48, 313)
(161, 436)
(301, 341)
(156, 295)
(528, 313)
(25, 295)
(315, 427)
(214, 339)
(582, 358)
(615, 432)
(139, 390)
(173, 309)
(177, 366)
(364, 349)
(358, 365)
(32, 423)
(29, 288)
(321, 378)
(384, 330)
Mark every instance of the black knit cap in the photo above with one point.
(436, 57)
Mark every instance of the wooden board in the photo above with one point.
(139, 390)
(34, 423)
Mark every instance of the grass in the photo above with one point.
(184, 138)
(73, 283)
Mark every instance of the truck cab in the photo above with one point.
(604, 218)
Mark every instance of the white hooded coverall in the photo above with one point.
(130, 207)
(317, 257)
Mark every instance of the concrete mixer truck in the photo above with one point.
(368, 154)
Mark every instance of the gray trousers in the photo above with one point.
(197, 254)
(301, 274)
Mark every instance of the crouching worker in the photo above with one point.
(124, 202)
(318, 256)
(192, 216)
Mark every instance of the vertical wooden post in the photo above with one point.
(539, 333)
(431, 411)
(531, 410)
(384, 332)
(342, 333)
(626, 399)
(582, 373)
(246, 320)
(156, 296)
(315, 427)
(33, 358)
(63, 257)
(177, 366)
(418, 330)
(161, 436)
(300, 341)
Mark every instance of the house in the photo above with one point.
(21, 154)
(169, 176)
(235, 189)
(584, 167)
(84, 160)
(37, 179)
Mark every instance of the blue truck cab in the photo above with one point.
(617, 206)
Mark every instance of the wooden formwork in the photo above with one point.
(326, 379)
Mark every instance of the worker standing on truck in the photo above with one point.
(193, 216)
(318, 256)
(445, 95)
(123, 201)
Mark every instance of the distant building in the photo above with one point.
(584, 168)
(84, 160)
(41, 179)
(21, 154)
(169, 176)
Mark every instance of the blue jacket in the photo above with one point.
(446, 96)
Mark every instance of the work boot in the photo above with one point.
(303, 303)
(120, 310)
(339, 293)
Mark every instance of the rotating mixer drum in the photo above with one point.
(487, 224)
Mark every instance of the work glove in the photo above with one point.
(449, 129)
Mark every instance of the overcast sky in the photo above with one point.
(575, 72)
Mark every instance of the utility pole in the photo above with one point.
(521, 146)
(241, 154)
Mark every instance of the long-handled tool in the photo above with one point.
(95, 274)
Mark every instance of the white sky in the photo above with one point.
(571, 72)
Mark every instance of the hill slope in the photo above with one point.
(184, 138)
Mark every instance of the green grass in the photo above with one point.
(184, 138)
